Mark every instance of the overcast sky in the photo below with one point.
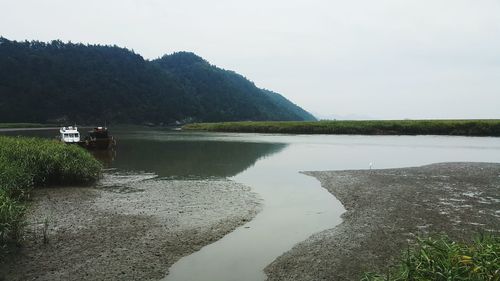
(387, 59)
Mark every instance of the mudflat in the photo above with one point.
(129, 227)
(386, 210)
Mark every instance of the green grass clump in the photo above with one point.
(27, 163)
(11, 213)
(369, 127)
(443, 259)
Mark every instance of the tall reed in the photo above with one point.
(442, 259)
(27, 163)
(368, 127)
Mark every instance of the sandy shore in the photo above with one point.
(130, 227)
(386, 209)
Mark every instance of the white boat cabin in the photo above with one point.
(69, 134)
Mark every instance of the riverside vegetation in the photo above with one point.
(24, 125)
(443, 259)
(375, 127)
(27, 163)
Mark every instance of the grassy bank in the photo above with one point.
(375, 127)
(27, 163)
(443, 259)
(24, 125)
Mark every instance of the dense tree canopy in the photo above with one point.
(66, 82)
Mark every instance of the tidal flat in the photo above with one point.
(129, 227)
(386, 209)
(121, 238)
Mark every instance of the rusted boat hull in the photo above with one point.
(100, 144)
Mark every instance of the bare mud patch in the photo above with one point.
(386, 209)
(127, 227)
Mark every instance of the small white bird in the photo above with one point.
(371, 165)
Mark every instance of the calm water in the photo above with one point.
(295, 205)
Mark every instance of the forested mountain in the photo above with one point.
(66, 82)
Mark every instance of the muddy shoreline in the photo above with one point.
(386, 209)
(134, 226)
(128, 227)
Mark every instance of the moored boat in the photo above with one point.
(99, 138)
(69, 135)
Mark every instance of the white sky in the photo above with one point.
(387, 59)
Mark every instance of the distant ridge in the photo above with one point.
(67, 82)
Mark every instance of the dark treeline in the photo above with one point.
(60, 82)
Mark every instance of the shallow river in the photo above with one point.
(295, 206)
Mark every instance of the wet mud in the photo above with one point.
(386, 210)
(129, 227)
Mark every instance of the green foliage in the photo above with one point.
(223, 95)
(443, 259)
(382, 127)
(26, 163)
(11, 213)
(284, 104)
(64, 82)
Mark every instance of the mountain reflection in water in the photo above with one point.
(187, 159)
(173, 154)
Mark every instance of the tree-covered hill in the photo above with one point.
(66, 82)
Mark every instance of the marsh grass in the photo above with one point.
(11, 213)
(27, 163)
(443, 259)
(370, 127)
(45, 231)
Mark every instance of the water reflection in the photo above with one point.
(175, 154)
(188, 159)
(106, 157)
